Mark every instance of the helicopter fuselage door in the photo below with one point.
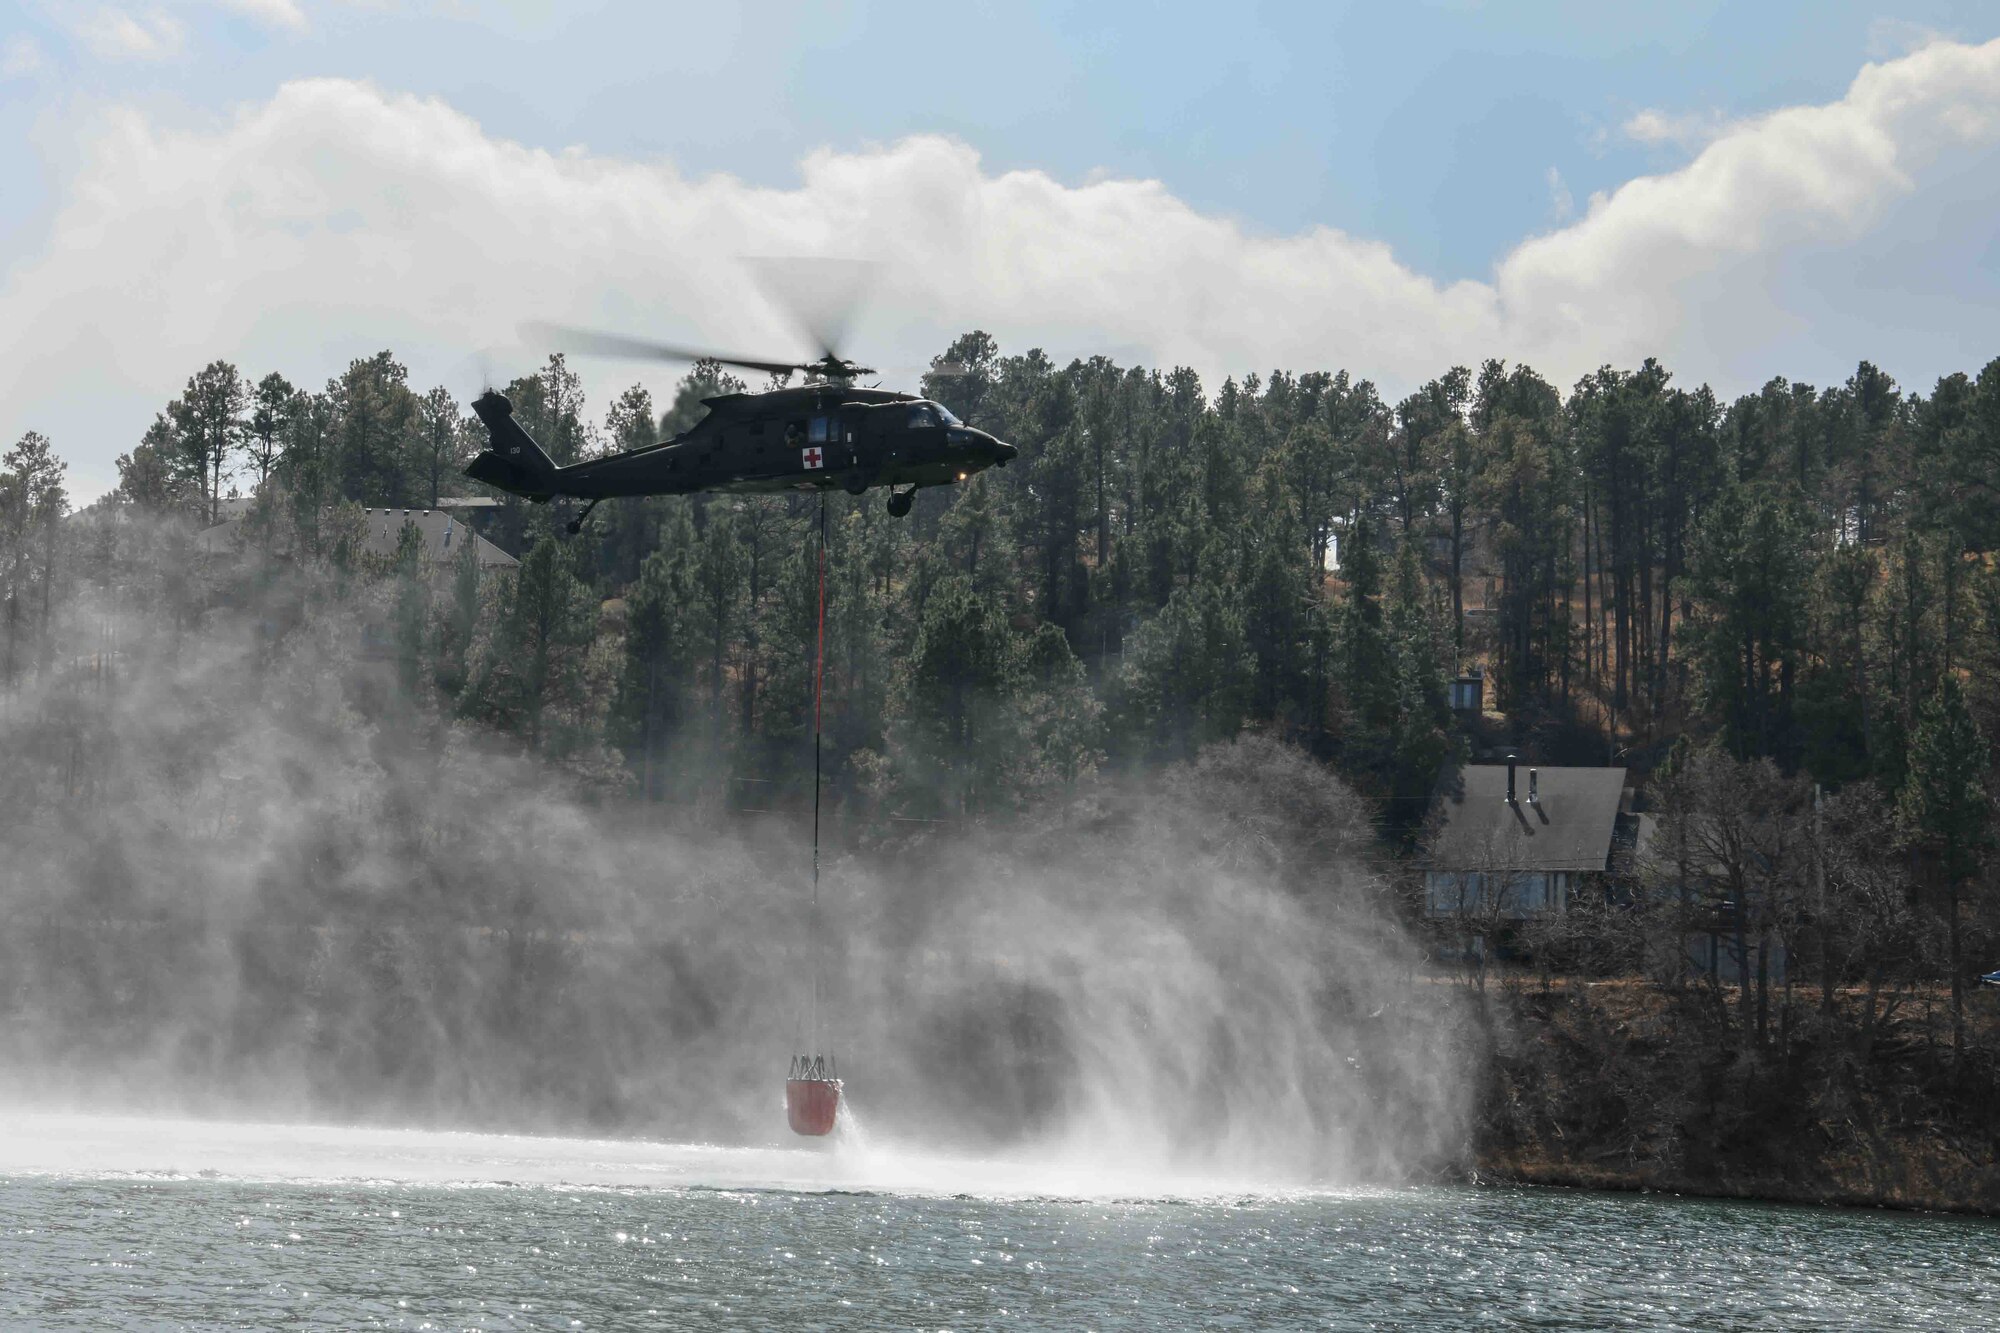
(830, 435)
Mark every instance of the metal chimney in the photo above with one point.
(1510, 779)
(1532, 799)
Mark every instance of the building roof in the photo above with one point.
(1568, 827)
(444, 534)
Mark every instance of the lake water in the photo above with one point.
(127, 1223)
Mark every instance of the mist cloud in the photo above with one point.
(338, 218)
(243, 878)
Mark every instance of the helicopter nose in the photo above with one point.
(1003, 453)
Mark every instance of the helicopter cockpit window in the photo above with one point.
(921, 416)
(944, 415)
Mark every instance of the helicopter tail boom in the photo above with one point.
(512, 460)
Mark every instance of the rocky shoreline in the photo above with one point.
(1631, 1087)
(1928, 1198)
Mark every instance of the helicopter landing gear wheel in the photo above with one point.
(899, 502)
(854, 483)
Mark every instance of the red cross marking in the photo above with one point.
(811, 457)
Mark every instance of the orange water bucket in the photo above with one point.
(811, 1104)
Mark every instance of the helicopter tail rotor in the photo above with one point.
(478, 371)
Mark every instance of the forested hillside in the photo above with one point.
(1792, 575)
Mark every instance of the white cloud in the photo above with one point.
(117, 34)
(334, 220)
(284, 14)
(1562, 204)
(1627, 278)
(1684, 130)
(21, 57)
(1889, 37)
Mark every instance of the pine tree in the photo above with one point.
(1364, 674)
(962, 375)
(662, 647)
(1280, 606)
(148, 478)
(628, 424)
(535, 663)
(719, 581)
(306, 464)
(627, 531)
(549, 405)
(460, 623)
(1750, 576)
(270, 414)
(437, 440)
(208, 429)
(32, 504)
(705, 379)
(1056, 718)
(413, 607)
(1945, 812)
(1187, 675)
(1420, 739)
(372, 411)
(958, 671)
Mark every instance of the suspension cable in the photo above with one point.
(819, 678)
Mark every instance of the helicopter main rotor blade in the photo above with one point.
(591, 342)
(819, 296)
(942, 369)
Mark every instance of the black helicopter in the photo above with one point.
(824, 434)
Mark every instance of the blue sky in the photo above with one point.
(1432, 126)
(1450, 133)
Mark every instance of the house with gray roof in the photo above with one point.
(1508, 841)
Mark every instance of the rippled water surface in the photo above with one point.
(122, 1223)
